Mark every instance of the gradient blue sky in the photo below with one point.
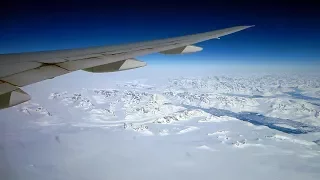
(285, 32)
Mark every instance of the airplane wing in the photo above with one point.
(21, 69)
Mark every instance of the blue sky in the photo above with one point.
(283, 34)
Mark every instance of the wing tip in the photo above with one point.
(244, 27)
(249, 26)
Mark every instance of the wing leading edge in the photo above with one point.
(21, 69)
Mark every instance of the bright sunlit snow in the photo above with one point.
(142, 124)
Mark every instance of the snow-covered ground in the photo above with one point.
(204, 127)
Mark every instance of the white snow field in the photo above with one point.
(195, 126)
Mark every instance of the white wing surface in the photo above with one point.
(21, 69)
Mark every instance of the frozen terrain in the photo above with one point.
(200, 127)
